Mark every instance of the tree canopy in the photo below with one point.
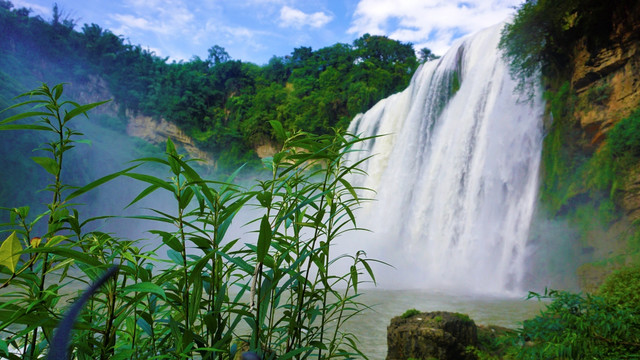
(225, 104)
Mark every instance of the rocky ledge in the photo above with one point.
(432, 335)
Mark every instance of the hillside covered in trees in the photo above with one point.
(224, 104)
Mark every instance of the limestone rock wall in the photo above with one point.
(157, 131)
(607, 82)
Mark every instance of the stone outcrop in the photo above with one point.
(607, 81)
(157, 131)
(434, 335)
(96, 89)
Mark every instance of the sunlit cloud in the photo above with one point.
(38, 9)
(163, 17)
(428, 23)
(290, 17)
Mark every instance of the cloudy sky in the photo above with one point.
(256, 30)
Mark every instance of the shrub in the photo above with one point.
(574, 326)
(409, 313)
(624, 137)
(622, 288)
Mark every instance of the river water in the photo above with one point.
(371, 327)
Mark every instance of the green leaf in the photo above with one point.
(76, 255)
(354, 278)
(82, 109)
(278, 130)
(264, 198)
(24, 127)
(173, 155)
(99, 182)
(264, 239)
(144, 325)
(295, 352)
(143, 194)
(145, 287)
(10, 252)
(175, 256)
(48, 164)
(151, 180)
(23, 116)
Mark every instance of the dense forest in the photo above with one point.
(225, 104)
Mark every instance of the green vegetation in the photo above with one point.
(281, 284)
(624, 138)
(409, 313)
(622, 288)
(580, 183)
(539, 38)
(574, 326)
(463, 317)
(226, 104)
(581, 327)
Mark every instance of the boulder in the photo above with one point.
(434, 335)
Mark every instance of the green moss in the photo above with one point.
(455, 82)
(623, 287)
(624, 138)
(409, 313)
(463, 317)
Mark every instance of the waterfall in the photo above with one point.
(455, 174)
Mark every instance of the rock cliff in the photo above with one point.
(155, 131)
(607, 81)
(606, 84)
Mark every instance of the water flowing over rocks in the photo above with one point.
(434, 335)
(458, 168)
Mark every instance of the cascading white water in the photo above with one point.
(456, 178)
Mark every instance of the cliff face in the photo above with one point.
(606, 84)
(145, 127)
(157, 131)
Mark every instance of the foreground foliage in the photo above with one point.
(575, 326)
(211, 296)
(582, 327)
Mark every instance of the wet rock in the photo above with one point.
(434, 335)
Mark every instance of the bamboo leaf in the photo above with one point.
(143, 194)
(99, 182)
(145, 287)
(49, 164)
(278, 130)
(82, 109)
(354, 278)
(24, 115)
(368, 268)
(144, 325)
(10, 252)
(173, 155)
(175, 256)
(76, 255)
(295, 352)
(264, 239)
(25, 127)
(151, 180)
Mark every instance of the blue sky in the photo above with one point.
(256, 30)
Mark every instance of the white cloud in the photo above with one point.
(38, 9)
(428, 23)
(163, 17)
(291, 17)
